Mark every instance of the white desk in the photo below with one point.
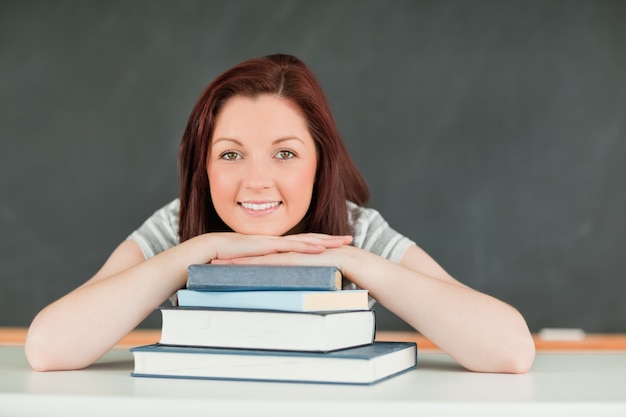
(569, 384)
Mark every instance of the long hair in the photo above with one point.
(337, 178)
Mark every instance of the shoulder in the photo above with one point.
(167, 216)
(160, 231)
(362, 219)
(171, 210)
(371, 232)
(356, 212)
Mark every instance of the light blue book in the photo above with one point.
(276, 300)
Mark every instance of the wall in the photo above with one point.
(491, 132)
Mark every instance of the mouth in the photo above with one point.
(260, 207)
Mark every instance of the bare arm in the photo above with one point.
(480, 332)
(79, 328)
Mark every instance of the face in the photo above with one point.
(261, 165)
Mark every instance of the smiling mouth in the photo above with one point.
(260, 206)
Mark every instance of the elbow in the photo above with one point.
(522, 362)
(38, 363)
(525, 358)
(517, 349)
(42, 359)
(521, 351)
(510, 355)
(506, 365)
(43, 354)
(36, 353)
(37, 346)
(517, 356)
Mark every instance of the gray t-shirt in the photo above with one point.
(370, 232)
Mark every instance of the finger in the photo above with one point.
(222, 261)
(321, 239)
(270, 259)
(288, 245)
(290, 258)
(328, 237)
(264, 245)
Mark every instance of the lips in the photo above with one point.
(260, 208)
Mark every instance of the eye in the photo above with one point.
(285, 154)
(230, 156)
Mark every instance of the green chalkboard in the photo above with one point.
(493, 133)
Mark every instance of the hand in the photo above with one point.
(334, 256)
(229, 246)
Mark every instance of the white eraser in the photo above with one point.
(562, 334)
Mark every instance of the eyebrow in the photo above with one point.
(275, 142)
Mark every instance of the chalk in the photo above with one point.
(558, 334)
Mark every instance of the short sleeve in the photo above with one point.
(160, 231)
(372, 233)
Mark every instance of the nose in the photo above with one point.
(258, 174)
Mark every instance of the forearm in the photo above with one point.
(77, 329)
(479, 331)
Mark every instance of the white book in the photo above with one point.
(260, 329)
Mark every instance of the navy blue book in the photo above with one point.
(210, 277)
(360, 365)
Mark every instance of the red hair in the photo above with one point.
(337, 178)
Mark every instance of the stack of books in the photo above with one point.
(271, 323)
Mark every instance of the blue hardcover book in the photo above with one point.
(360, 365)
(276, 300)
(210, 277)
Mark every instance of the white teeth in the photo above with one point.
(264, 206)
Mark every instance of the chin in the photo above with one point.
(265, 231)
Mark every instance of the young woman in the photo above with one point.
(265, 179)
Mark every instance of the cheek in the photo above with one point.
(302, 182)
(220, 185)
